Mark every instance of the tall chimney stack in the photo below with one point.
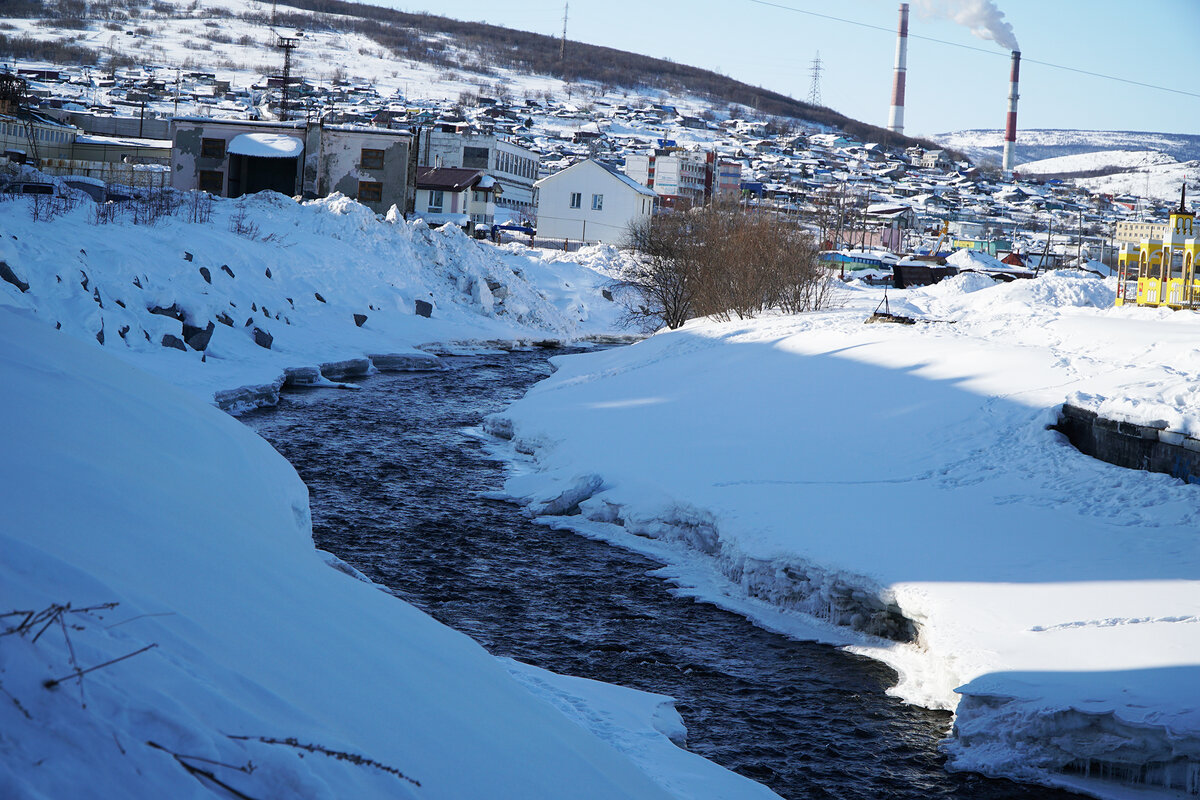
(1010, 128)
(896, 117)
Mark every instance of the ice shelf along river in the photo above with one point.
(396, 473)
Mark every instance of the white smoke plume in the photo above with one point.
(981, 16)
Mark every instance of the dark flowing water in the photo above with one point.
(395, 473)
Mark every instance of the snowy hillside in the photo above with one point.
(899, 485)
(1036, 145)
(268, 284)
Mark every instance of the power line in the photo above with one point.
(987, 51)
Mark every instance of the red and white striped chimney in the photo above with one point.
(896, 117)
(1010, 128)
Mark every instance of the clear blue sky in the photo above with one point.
(949, 88)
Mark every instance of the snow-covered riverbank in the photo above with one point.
(900, 482)
(269, 285)
(191, 636)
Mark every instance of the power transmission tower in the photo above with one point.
(562, 49)
(287, 44)
(814, 88)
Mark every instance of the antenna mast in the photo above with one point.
(562, 49)
(814, 88)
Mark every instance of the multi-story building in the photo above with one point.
(514, 167)
(681, 178)
(727, 180)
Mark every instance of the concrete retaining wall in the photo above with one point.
(1145, 447)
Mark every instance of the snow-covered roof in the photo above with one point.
(266, 145)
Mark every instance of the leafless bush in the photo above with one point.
(722, 261)
(197, 206)
(241, 226)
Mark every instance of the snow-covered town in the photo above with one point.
(953, 438)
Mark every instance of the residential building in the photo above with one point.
(465, 197)
(677, 176)
(591, 202)
(231, 158)
(727, 180)
(513, 166)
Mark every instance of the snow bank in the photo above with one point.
(270, 284)
(899, 484)
(247, 661)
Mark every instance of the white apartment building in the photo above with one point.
(675, 175)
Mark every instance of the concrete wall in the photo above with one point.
(340, 166)
(1125, 444)
(187, 162)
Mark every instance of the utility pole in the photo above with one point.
(814, 88)
(562, 49)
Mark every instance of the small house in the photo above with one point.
(591, 202)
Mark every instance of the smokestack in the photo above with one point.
(1010, 128)
(896, 117)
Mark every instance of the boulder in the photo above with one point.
(423, 308)
(171, 340)
(262, 338)
(9, 276)
(359, 319)
(198, 338)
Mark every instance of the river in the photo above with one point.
(396, 472)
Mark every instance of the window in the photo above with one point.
(212, 181)
(435, 201)
(371, 159)
(212, 148)
(370, 191)
(475, 157)
(576, 199)
(597, 202)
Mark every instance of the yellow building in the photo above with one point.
(1162, 271)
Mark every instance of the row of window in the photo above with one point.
(597, 201)
(516, 165)
(15, 129)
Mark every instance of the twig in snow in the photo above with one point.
(50, 684)
(353, 758)
(139, 616)
(16, 702)
(199, 773)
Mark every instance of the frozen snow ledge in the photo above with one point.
(790, 583)
(1005, 726)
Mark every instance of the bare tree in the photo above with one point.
(723, 261)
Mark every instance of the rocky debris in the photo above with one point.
(359, 319)
(84, 282)
(268, 272)
(96, 296)
(225, 319)
(262, 338)
(187, 256)
(173, 311)
(198, 338)
(171, 340)
(225, 268)
(124, 329)
(423, 308)
(318, 296)
(9, 276)
(204, 273)
(100, 335)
